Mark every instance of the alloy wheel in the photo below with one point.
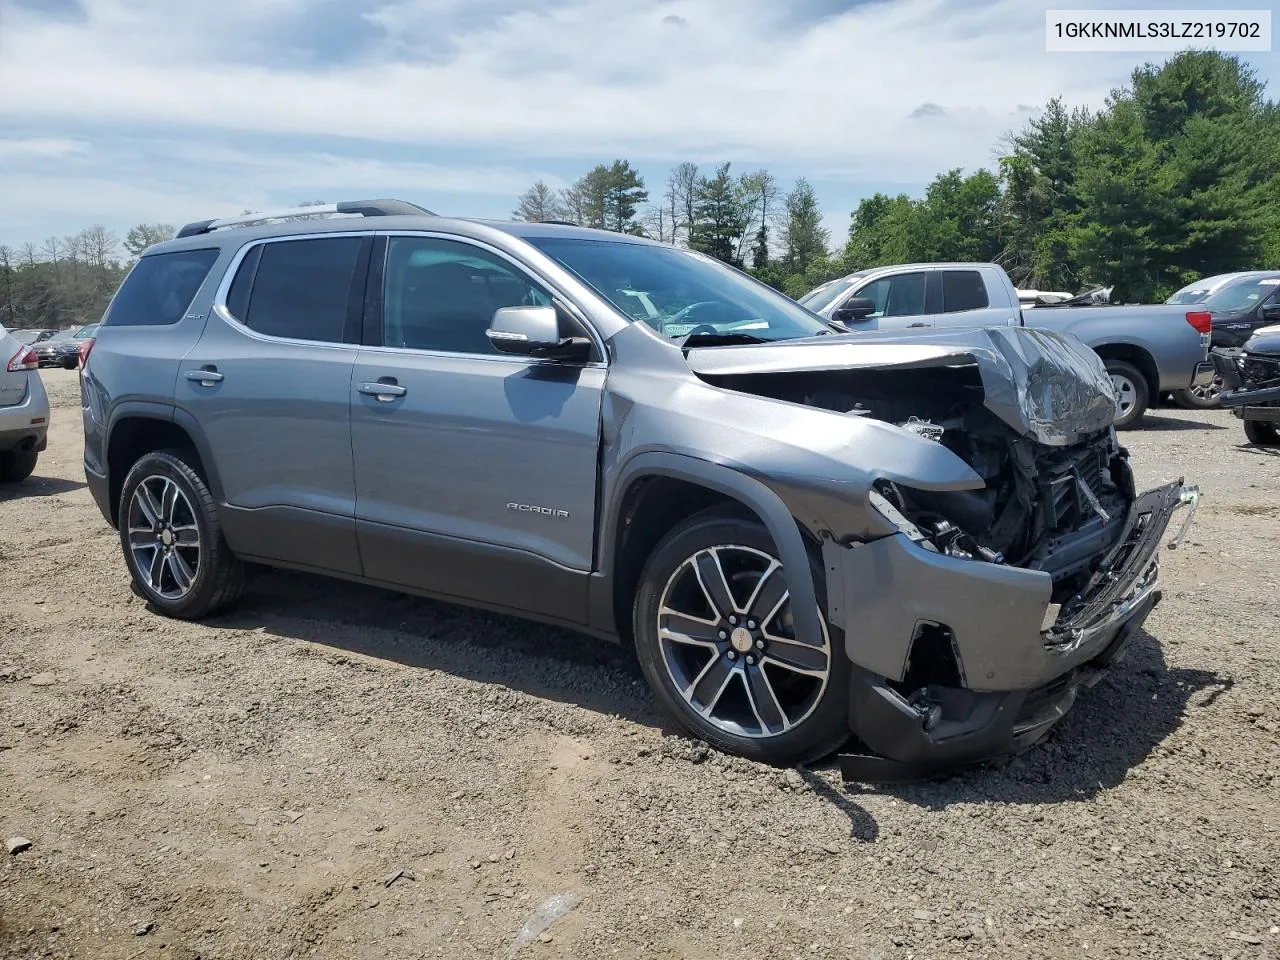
(1126, 395)
(164, 537)
(728, 643)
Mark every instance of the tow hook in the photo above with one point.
(1187, 496)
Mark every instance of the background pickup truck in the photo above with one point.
(1146, 349)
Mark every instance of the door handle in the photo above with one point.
(910, 325)
(385, 390)
(205, 376)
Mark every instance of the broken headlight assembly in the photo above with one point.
(929, 530)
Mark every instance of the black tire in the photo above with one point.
(821, 709)
(1263, 433)
(1137, 395)
(17, 465)
(219, 576)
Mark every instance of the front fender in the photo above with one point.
(750, 492)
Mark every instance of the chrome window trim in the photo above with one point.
(229, 275)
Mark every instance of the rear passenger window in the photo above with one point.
(159, 289)
(963, 290)
(298, 289)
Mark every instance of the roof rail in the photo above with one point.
(364, 208)
(561, 223)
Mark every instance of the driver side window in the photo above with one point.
(901, 295)
(441, 295)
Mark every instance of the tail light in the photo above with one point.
(85, 347)
(24, 359)
(1201, 320)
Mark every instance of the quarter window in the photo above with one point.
(441, 294)
(963, 290)
(297, 289)
(159, 289)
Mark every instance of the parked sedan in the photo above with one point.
(63, 350)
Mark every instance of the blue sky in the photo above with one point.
(120, 111)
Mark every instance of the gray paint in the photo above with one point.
(22, 400)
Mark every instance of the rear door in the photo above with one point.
(969, 300)
(269, 385)
(475, 470)
(901, 301)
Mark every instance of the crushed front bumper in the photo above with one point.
(1019, 663)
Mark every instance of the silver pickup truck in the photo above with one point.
(1147, 349)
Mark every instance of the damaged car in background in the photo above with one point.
(930, 539)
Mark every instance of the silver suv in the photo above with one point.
(24, 409)
(931, 540)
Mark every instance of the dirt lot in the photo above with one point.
(246, 787)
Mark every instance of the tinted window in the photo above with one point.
(442, 294)
(302, 288)
(159, 289)
(963, 290)
(899, 296)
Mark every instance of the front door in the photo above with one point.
(475, 470)
(899, 300)
(269, 385)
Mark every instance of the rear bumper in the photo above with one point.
(1019, 664)
(25, 425)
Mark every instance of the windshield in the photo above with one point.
(1242, 296)
(679, 293)
(822, 297)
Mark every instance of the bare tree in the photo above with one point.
(759, 197)
(573, 203)
(658, 224)
(681, 197)
(8, 314)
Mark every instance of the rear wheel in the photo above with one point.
(172, 542)
(17, 465)
(1132, 393)
(716, 640)
(1263, 433)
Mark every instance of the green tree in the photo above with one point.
(804, 238)
(719, 217)
(537, 204)
(145, 235)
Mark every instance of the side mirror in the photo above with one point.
(534, 332)
(1270, 312)
(854, 309)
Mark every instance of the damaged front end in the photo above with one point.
(973, 623)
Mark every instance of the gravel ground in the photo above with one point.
(248, 787)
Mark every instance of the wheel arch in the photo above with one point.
(1138, 357)
(141, 428)
(655, 491)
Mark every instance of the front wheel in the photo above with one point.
(1132, 393)
(1262, 432)
(716, 640)
(172, 542)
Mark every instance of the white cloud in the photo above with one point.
(877, 92)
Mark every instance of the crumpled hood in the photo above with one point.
(1045, 385)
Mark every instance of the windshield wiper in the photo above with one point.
(720, 339)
